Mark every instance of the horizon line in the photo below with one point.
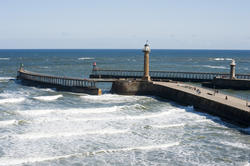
(124, 49)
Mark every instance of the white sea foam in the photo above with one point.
(47, 89)
(169, 126)
(117, 118)
(110, 98)
(7, 122)
(202, 120)
(237, 145)
(180, 124)
(69, 134)
(215, 67)
(11, 100)
(247, 164)
(5, 79)
(15, 161)
(4, 58)
(71, 111)
(85, 58)
(221, 59)
(48, 98)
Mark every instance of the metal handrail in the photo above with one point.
(56, 80)
(167, 74)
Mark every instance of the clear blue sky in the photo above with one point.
(167, 24)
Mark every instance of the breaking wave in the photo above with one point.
(169, 126)
(237, 145)
(215, 67)
(7, 122)
(221, 59)
(180, 124)
(117, 118)
(111, 98)
(12, 100)
(69, 134)
(5, 79)
(85, 58)
(12, 161)
(71, 111)
(48, 98)
(5, 59)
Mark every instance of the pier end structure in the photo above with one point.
(77, 85)
(227, 107)
(232, 69)
(146, 50)
(230, 81)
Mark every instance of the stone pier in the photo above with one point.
(224, 106)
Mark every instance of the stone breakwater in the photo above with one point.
(77, 85)
(212, 102)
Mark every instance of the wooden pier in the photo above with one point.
(163, 75)
(77, 85)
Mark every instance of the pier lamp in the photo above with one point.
(146, 51)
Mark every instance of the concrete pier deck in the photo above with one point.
(208, 94)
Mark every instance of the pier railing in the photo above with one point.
(55, 80)
(196, 76)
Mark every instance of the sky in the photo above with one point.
(124, 24)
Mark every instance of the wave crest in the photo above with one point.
(12, 100)
(12, 161)
(5, 59)
(5, 79)
(48, 98)
(215, 67)
(85, 58)
(221, 59)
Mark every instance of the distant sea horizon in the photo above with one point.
(193, 49)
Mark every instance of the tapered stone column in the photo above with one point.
(146, 51)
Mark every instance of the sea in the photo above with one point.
(45, 127)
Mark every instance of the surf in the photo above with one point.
(71, 111)
(15, 161)
(11, 100)
(85, 58)
(69, 134)
(48, 98)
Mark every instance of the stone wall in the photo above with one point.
(87, 90)
(231, 83)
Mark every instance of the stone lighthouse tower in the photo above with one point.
(146, 51)
(232, 69)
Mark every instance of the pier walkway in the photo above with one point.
(161, 75)
(208, 94)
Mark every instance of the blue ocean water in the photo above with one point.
(48, 127)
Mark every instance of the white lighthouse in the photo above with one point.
(232, 69)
